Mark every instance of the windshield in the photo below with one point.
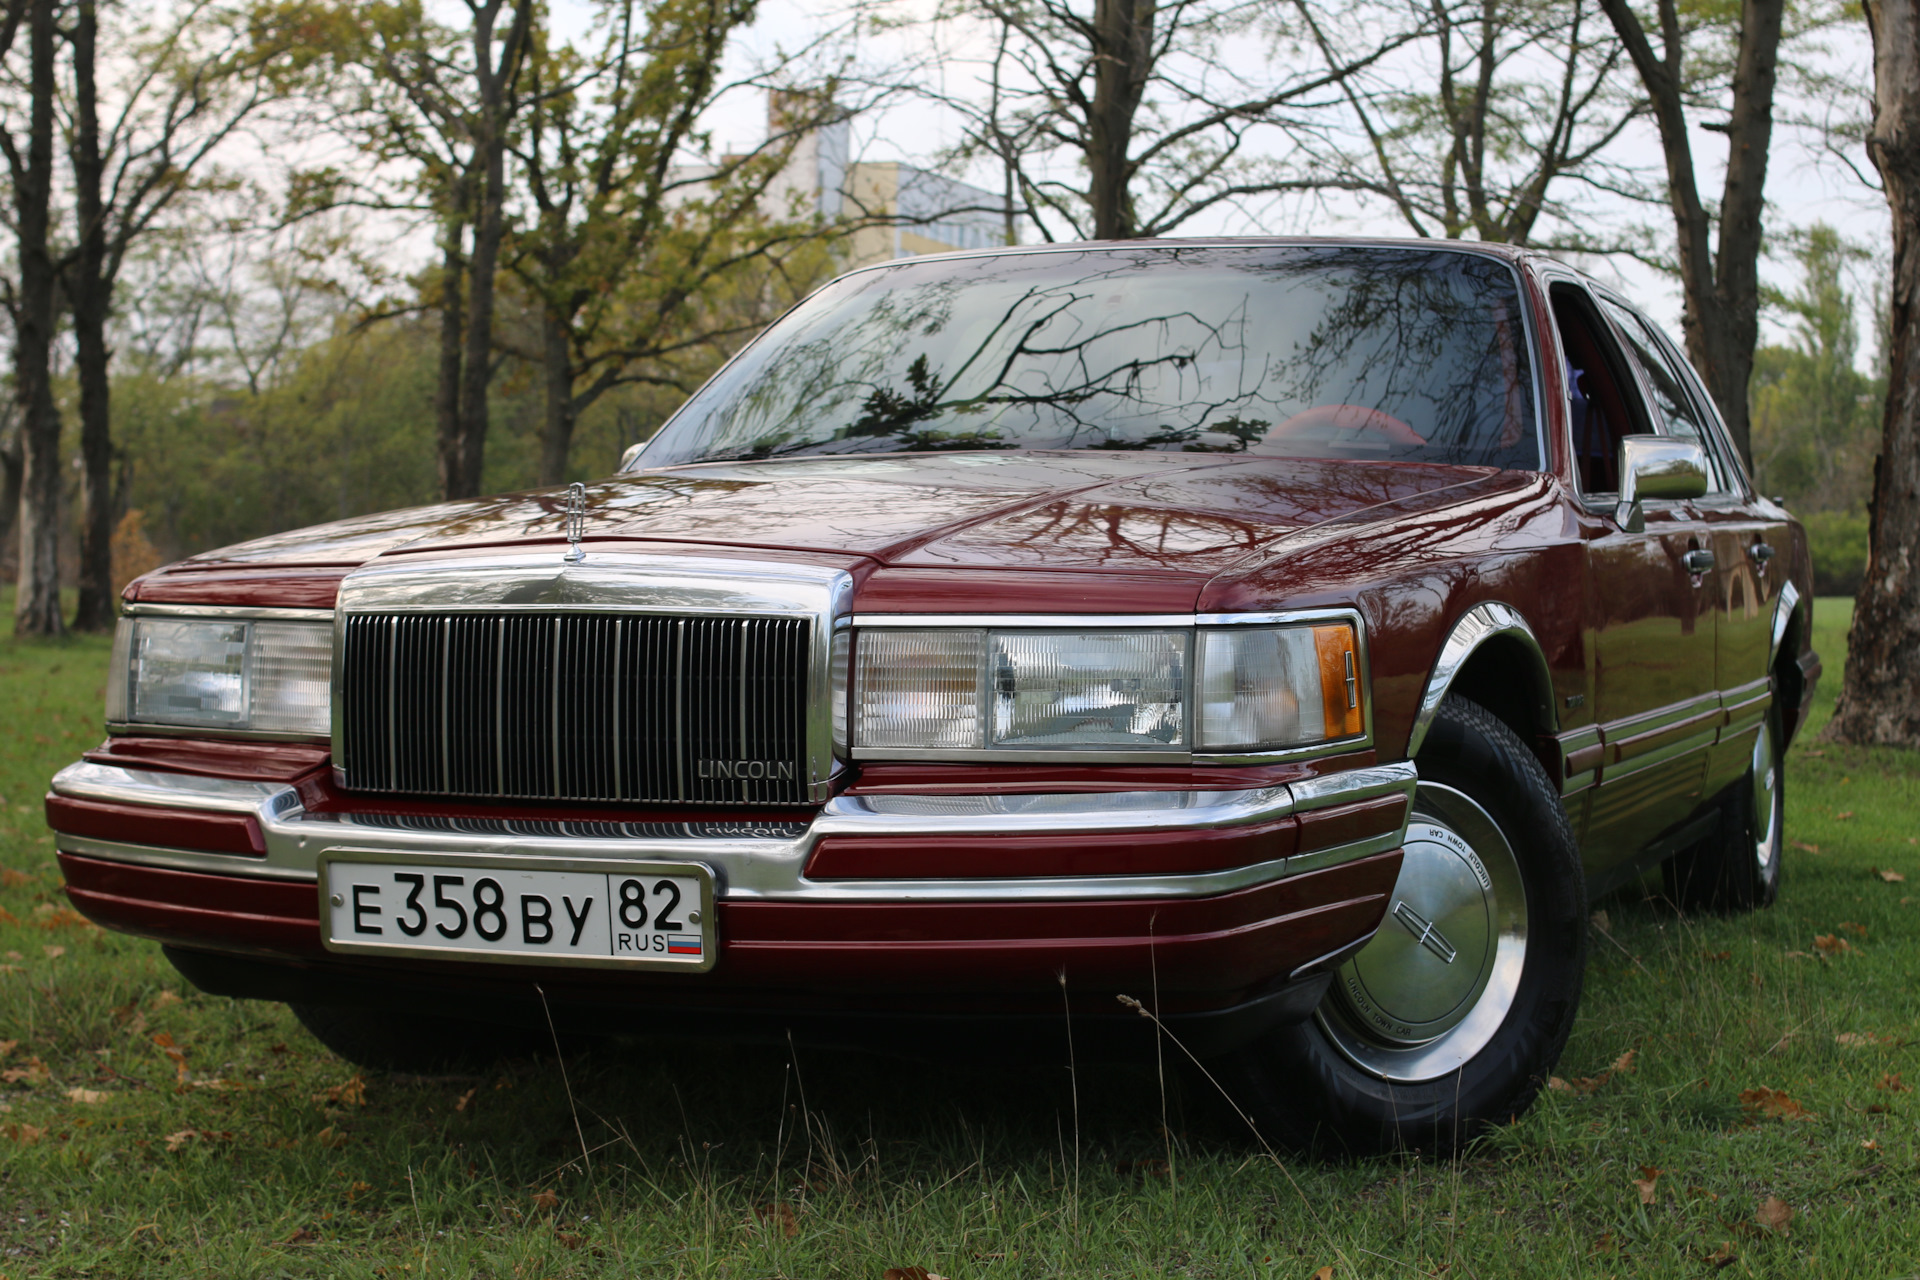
(1326, 352)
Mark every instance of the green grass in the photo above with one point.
(233, 1160)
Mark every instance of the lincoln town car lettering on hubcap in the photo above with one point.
(1294, 633)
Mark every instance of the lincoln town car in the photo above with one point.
(1269, 645)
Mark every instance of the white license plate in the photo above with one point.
(575, 913)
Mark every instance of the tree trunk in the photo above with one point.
(556, 435)
(1123, 52)
(11, 448)
(446, 389)
(1880, 698)
(36, 604)
(1722, 289)
(90, 294)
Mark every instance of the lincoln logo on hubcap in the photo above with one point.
(1423, 931)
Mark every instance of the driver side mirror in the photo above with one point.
(1657, 467)
(632, 452)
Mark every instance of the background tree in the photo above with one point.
(180, 93)
(431, 110)
(32, 306)
(1472, 129)
(1717, 249)
(628, 244)
(1880, 695)
(1154, 107)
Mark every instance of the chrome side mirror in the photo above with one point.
(1657, 467)
(632, 452)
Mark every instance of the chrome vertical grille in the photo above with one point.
(576, 706)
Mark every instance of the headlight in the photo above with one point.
(222, 674)
(942, 692)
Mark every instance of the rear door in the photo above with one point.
(1744, 539)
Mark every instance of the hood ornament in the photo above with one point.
(576, 522)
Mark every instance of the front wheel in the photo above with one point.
(1451, 1017)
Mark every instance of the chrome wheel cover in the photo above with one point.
(1766, 803)
(1435, 983)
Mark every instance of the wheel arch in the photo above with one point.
(1492, 656)
(1791, 623)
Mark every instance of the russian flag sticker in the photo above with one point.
(683, 944)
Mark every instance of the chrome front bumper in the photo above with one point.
(754, 861)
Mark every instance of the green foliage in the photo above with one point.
(1816, 418)
(1838, 540)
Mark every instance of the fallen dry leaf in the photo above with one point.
(351, 1092)
(568, 1240)
(54, 953)
(1830, 944)
(35, 1072)
(1606, 1242)
(1861, 1039)
(782, 1213)
(1324, 1273)
(1868, 1144)
(1774, 1214)
(545, 1201)
(1773, 1104)
(1890, 1083)
(1624, 1063)
(1557, 1085)
(49, 916)
(88, 1096)
(162, 999)
(1645, 1184)
(1842, 817)
(175, 1141)
(24, 1134)
(164, 1042)
(330, 1137)
(8, 1046)
(1722, 1256)
(1853, 927)
(466, 1098)
(1717, 955)
(1810, 848)
(14, 879)
(300, 1235)
(1891, 876)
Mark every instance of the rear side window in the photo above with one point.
(1677, 412)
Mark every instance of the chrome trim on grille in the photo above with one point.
(683, 593)
(764, 867)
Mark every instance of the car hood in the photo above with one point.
(1115, 512)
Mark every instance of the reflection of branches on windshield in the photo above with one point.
(1399, 327)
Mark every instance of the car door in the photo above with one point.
(1650, 606)
(1744, 534)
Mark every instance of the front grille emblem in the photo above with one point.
(576, 521)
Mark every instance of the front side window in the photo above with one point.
(1677, 413)
(1367, 353)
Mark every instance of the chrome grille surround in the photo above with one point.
(683, 644)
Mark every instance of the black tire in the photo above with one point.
(1738, 868)
(1352, 1081)
(382, 1040)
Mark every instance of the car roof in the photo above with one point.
(1515, 254)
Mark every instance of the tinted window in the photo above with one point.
(1351, 353)
(1675, 409)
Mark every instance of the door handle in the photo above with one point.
(1698, 561)
(1760, 552)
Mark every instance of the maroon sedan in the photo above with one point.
(1289, 636)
